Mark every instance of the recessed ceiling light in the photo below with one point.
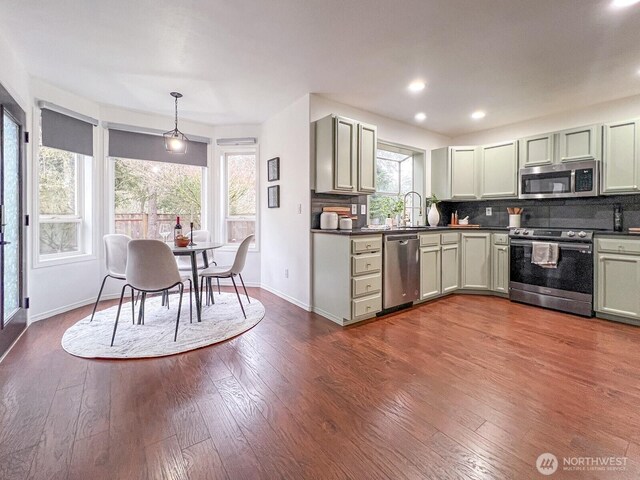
(623, 3)
(417, 86)
(478, 114)
(420, 117)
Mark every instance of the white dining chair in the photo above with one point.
(115, 255)
(151, 268)
(232, 271)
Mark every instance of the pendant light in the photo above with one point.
(174, 140)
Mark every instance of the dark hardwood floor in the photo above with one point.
(463, 387)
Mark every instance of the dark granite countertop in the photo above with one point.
(624, 233)
(361, 231)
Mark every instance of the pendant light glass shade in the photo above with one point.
(174, 140)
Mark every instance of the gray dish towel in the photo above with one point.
(545, 254)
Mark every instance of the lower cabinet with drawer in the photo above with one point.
(618, 279)
(439, 264)
(347, 277)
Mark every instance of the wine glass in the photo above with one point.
(165, 231)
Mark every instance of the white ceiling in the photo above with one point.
(239, 61)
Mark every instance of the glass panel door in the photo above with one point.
(13, 316)
(11, 218)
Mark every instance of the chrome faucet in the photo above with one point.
(413, 207)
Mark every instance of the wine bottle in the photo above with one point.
(177, 230)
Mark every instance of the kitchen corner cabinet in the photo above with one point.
(476, 260)
(537, 150)
(578, 144)
(499, 170)
(345, 156)
(500, 263)
(347, 277)
(621, 157)
(618, 277)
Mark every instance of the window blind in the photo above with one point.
(66, 133)
(143, 146)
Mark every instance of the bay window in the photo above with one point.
(240, 195)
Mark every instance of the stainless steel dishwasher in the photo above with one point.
(401, 271)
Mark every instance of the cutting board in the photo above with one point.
(464, 226)
(634, 230)
(338, 210)
(341, 211)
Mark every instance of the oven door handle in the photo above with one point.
(581, 247)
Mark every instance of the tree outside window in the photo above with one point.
(149, 195)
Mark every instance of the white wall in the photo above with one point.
(57, 288)
(621, 109)
(285, 233)
(14, 76)
(389, 130)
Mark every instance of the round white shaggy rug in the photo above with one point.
(220, 322)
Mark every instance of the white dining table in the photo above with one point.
(193, 251)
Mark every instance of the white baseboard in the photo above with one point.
(81, 303)
(286, 297)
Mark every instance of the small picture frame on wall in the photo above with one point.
(273, 169)
(273, 196)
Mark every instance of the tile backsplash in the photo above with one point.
(320, 200)
(590, 213)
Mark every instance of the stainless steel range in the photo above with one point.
(567, 283)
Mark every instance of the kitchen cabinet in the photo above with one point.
(454, 172)
(537, 150)
(430, 269)
(499, 170)
(463, 173)
(345, 156)
(618, 277)
(347, 277)
(621, 157)
(577, 144)
(450, 261)
(439, 264)
(476, 260)
(367, 147)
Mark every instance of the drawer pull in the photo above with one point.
(368, 245)
(368, 285)
(368, 307)
(368, 265)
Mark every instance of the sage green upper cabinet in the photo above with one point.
(476, 260)
(454, 173)
(621, 155)
(367, 147)
(537, 150)
(345, 156)
(499, 170)
(463, 173)
(577, 144)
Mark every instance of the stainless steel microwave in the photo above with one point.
(562, 180)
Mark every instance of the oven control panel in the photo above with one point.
(552, 234)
